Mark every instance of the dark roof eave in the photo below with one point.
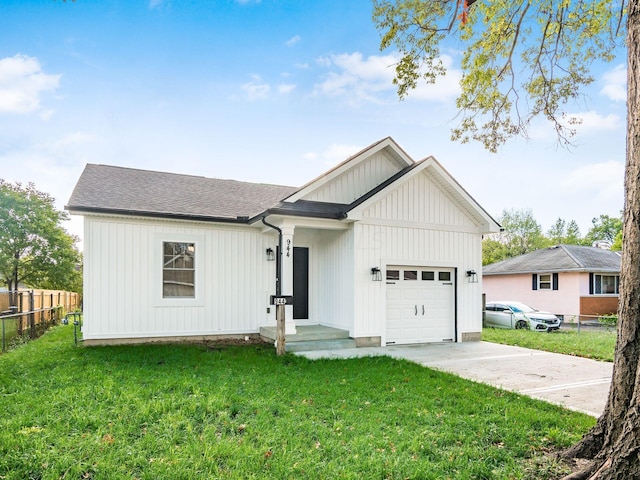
(291, 213)
(561, 270)
(148, 214)
(383, 185)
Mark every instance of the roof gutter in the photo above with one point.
(279, 269)
(141, 213)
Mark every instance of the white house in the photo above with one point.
(380, 246)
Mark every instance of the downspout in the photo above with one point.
(279, 269)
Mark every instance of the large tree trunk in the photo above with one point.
(614, 443)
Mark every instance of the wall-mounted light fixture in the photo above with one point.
(472, 276)
(376, 274)
(271, 256)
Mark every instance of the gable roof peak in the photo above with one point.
(394, 153)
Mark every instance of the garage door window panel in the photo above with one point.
(410, 274)
(444, 276)
(428, 276)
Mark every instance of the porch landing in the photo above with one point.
(312, 337)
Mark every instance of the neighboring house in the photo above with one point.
(568, 280)
(170, 256)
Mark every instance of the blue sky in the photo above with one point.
(266, 91)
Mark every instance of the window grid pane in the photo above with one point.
(178, 270)
(545, 281)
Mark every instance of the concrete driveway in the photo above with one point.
(573, 382)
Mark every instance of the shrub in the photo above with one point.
(610, 320)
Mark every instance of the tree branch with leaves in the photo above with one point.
(34, 247)
(522, 60)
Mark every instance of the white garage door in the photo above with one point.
(420, 305)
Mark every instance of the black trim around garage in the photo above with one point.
(455, 305)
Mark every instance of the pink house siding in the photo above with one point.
(579, 290)
(564, 301)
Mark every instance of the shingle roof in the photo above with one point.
(130, 191)
(561, 258)
(104, 188)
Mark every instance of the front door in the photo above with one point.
(300, 283)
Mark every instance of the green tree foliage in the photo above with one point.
(522, 60)
(572, 234)
(604, 228)
(562, 232)
(493, 250)
(34, 247)
(617, 243)
(557, 231)
(522, 234)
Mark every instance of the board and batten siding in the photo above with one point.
(417, 225)
(359, 180)
(123, 279)
(333, 278)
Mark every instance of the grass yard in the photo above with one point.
(598, 345)
(190, 412)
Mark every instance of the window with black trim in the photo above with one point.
(606, 284)
(410, 274)
(444, 276)
(544, 281)
(428, 275)
(393, 274)
(178, 270)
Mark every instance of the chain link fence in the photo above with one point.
(27, 314)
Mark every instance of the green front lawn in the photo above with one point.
(189, 412)
(599, 345)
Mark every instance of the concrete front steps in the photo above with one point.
(312, 337)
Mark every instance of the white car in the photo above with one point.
(507, 314)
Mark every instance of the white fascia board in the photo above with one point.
(282, 221)
(487, 223)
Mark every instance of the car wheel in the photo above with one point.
(521, 325)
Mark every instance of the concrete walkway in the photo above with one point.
(573, 382)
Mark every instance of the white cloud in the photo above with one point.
(366, 79)
(293, 40)
(285, 88)
(22, 82)
(333, 155)
(446, 88)
(256, 89)
(605, 179)
(615, 84)
(592, 121)
(155, 3)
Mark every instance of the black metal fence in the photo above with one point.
(28, 314)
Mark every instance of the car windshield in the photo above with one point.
(518, 307)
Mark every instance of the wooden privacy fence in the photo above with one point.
(32, 312)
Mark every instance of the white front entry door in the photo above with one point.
(420, 305)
